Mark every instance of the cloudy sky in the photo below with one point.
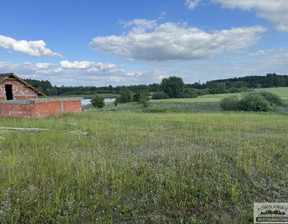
(128, 42)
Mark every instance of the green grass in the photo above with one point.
(206, 103)
(215, 98)
(142, 167)
(281, 91)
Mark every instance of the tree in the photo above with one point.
(98, 101)
(139, 94)
(125, 96)
(142, 97)
(160, 95)
(173, 86)
(189, 93)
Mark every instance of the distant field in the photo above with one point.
(207, 103)
(281, 91)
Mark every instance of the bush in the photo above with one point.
(98, 101)
(160, 95)
(272, 98)
(230, 103)
(254, 102)
(190, 93)
(202, 92)
(125, 96)
(144, 100)
(140, 94)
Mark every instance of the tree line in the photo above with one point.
(172, 87)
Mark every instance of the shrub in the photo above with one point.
(98, 101)
(230, 103)
(254, 102)
(160, 95)
(140, 94)
(202, 92)
(144, 100)
(272, 98)
(125, 96)
(190, 93)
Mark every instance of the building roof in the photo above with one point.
(4, 76)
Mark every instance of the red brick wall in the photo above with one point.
(17, 110)
(31, 97)
(24, 97)
(46, 109)
(40, 108)
(72, 106)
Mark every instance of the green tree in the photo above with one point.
(125, 96)
(173, 86)
(98, 101)
(189, 93)
(139, 94)
(160, 95)
(142, 98)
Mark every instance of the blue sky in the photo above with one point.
(128, 42)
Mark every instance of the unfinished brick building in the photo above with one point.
(19, 99)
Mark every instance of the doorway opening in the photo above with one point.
(9, 93)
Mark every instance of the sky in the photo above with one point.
(132, 42)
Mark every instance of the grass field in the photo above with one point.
(132, 167)
(201, 104)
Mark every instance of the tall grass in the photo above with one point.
(142, 168)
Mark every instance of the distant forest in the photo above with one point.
(231, 85)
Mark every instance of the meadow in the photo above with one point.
(126, 165)
(201, 104)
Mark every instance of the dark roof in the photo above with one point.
(3, 76)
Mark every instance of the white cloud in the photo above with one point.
(100, 74)
(75, 64)
(191, 4)
(97, 74)
(31, 48)
(140, 25)
(44, 65)
(92, 67)
(273, 10)
(149, 41)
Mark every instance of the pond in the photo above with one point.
(106, 100)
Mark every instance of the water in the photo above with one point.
(106, 100)
(109, 100)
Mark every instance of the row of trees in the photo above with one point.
(172, 87)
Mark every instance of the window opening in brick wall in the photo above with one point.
(9, 93)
